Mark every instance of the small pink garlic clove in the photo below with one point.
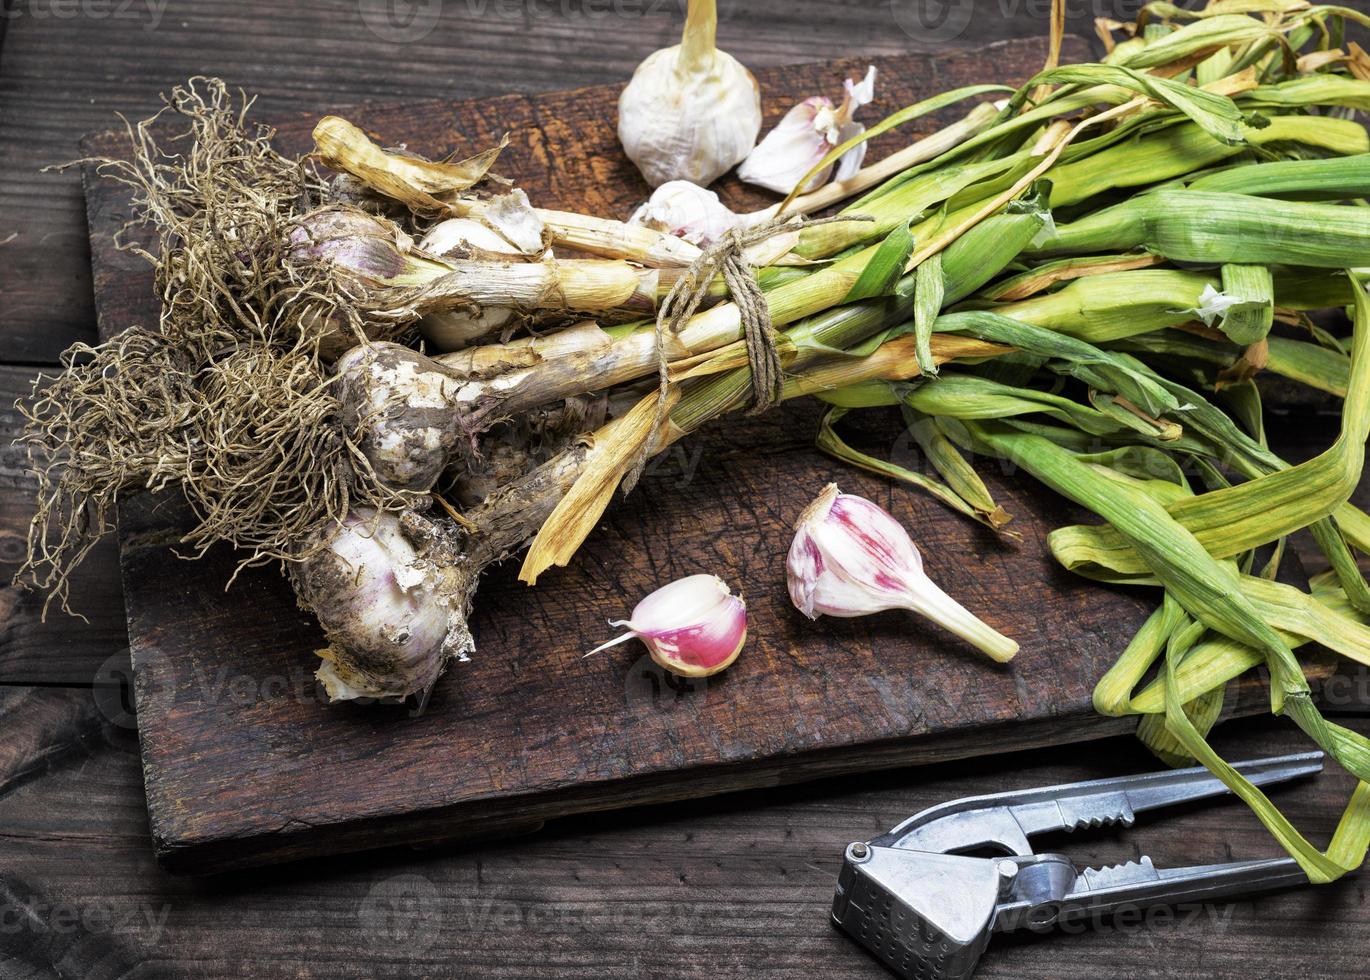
(694, 626)
(850, 557)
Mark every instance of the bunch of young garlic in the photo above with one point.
(1217, 192)
(392, 585)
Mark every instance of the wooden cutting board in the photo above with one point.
(245, 764)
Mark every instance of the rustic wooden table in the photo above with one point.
(733, 887)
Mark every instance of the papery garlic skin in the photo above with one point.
(850, 557)
(1214, 304)
(687, 211)
(382, 589)
(365, 247)
(693, 626)
(806, 134)
(466, 238)
(517, 221)
(690, 112)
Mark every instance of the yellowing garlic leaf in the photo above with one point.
(413, 181)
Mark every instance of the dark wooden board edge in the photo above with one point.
(474, 823)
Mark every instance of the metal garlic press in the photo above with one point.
(926, 909)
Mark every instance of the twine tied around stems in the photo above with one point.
(727, 257)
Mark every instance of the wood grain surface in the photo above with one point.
(734, 886)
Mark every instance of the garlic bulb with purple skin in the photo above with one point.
(850, 557)
(391, 595)
(694, 626)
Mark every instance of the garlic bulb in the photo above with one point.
(687, 211)
(806, 134)
(407, 402)
(690, 112)
(850, 557)
(693, 627)
(451, 330)
(393, 614)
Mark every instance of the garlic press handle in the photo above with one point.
(1137, 885)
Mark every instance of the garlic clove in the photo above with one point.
(687, 211)
(791, 150)
(690, 112)
(694, 626)
(850, 557)
(805, 135)
(451, 330)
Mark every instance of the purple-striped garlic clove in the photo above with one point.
(694, 626)
(850, 557)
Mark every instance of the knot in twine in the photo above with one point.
(726, 256)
